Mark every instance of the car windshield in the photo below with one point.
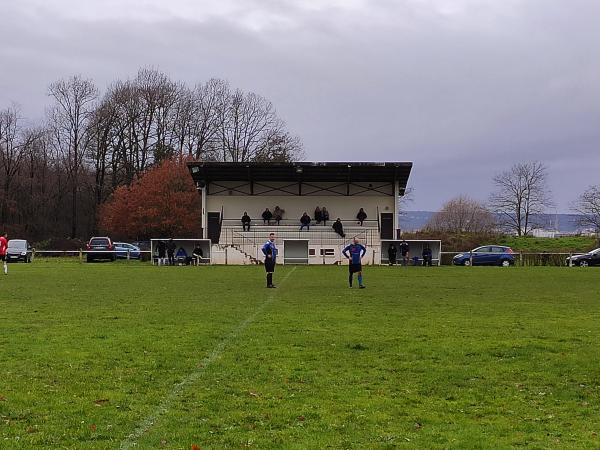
(17, 244)
(99, 241)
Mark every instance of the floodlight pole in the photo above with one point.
(203, 189)
(396, 200)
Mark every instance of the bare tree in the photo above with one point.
(588, 206)
(70, 119)
(12, 153)
(521, 196)
(462, 215)
(407, 198)
(250, 130)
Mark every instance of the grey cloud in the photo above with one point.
(464, 89)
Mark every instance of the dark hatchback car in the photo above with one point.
(100, 248)
(587, 259)
(19, 250)
(488, 255)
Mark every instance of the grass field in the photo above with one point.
(103, 356)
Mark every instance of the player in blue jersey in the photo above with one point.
(270, 252)
(355, 252)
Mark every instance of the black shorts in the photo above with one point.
(2, 257)
(269, 265)
(353, 268)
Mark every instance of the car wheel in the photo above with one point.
(505, 263)
(89, 259)
(467, 262)
(583, 264)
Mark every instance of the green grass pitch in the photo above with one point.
(126, 355)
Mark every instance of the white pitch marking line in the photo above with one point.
(143, 427)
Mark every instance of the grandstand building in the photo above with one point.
(230, 189)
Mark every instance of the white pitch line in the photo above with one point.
(143, 427)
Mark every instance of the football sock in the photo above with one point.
(5, 269)
(269, 279)
(360, 280)
(350, 280)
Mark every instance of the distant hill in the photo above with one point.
(562, 223)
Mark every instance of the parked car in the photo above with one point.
(124, 249)
(100, 248)
(587, 259)
(488, 255)
(19, 250)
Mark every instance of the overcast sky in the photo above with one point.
(463, 88)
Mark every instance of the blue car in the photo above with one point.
(123, 248)
(488, 255)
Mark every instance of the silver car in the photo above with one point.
(19, 250)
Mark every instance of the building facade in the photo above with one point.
(231, 189)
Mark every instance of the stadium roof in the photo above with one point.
(343, 172)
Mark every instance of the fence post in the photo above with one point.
(570, 259)
(80, 256)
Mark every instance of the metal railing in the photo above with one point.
(318, 236)
(128, 255)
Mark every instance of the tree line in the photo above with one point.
(56, 174)
(520, 197)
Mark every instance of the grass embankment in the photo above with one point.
(550, 245)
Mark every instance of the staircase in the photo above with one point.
(248, 257)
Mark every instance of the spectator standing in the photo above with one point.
(361, 216)
(404, 250)
(171, 247)
(318, 215)
(325, 215)
(392, 252)
(246, 222)
(162, 253)
(267, 216)
(305, 221)
(338, 227)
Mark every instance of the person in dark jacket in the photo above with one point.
(267, 216)
(427, 256)
(325, 215)
(318, 215)
(361, 216)
(305, 221)
(404, 249)
(246, 222)
(392, 252)
(162, 253)
(338, 227)
(171, 247)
